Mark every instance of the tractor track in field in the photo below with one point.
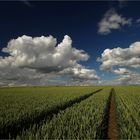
(17, 127)
(112, 132)
(108, 127)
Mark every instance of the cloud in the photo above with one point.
(40, 60)
(123, 77)
(42, 53)
(138, 20)
(80, 72)
(112, 20)
(121, 71)
(121, 57)
(128, 78)
(120, 60)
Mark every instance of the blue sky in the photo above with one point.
(92, 26)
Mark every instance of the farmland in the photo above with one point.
(70, 112)
(128, 107)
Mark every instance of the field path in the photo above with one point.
(112, 122)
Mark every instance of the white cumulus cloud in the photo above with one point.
(42, 53)
(121, 57)
(122, 62)
(34, 59)
(112, 20)
(81, 72)
(121, 71)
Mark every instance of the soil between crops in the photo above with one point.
(112, 123)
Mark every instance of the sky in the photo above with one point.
(69, 43)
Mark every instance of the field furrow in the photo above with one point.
(112, 122)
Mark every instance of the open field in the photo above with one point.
(70, 112)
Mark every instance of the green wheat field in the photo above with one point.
(68, 112)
